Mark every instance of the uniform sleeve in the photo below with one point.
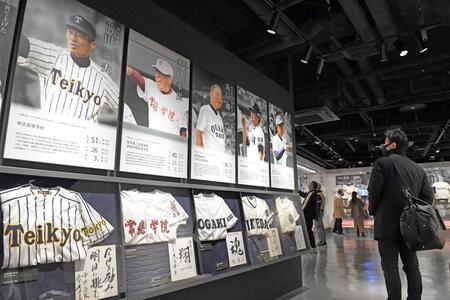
(110, 94)
(230, 219)
(41, 57)
(178, 215)
(95, 228)
(128, 115)
(143, 94)
(202, 122)
(184, 120)
(268, 213)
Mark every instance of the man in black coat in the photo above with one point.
(386, 202)
(311, 204)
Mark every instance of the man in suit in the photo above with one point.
(386, 202)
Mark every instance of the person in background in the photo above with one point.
(338, 212)
(386, 202)
(356, 207)
(309, 206)
(318, 223)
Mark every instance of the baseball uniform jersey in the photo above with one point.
(211, 125)
(278, 144)
(67, 88)
(441, 190)
(287, 214)
(214, 217)
(256, 139)
(165, 112)
(258, 215)
(150, 217)
(47, 225)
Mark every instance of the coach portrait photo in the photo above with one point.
(166, 111)
(71, 83)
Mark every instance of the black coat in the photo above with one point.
(386, 199)
(309, 211)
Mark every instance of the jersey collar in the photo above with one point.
(215, 111)
(81, 62)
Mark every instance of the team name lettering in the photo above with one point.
(218, 131)
(93, 229)
(74, 87)
(43, 234)
(211, 223)
(256, 223)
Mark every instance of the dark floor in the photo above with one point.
(349, 268)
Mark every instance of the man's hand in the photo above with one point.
(130, 71)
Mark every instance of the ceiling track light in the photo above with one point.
(307, 55)
(383, 52)
(320, 66)
(272, 29)
(420, 43)
(398, 44)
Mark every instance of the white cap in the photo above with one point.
(164, 67)
(279, 120)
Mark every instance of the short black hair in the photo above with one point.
(396, 135)
(354, 193)
(314, 184)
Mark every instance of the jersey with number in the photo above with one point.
(287, 214)
(258, 215)
(210, 123)
(47, 225)
(67, 88)
(256, 141)
(150, 217)
(166, 112)
(277, 145)
(441, 190)
(214, 217)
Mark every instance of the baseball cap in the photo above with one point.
(279, 120)
(164, 67)
(255, 109)
(81, 25)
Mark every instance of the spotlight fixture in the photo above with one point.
(383, 53)
(437, 150)
(307, 55)
(398, 44)
(420, 43)
(272, 29)
(320, 66)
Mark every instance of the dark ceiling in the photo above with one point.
(363, 92)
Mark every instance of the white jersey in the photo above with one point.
(165, 112)
(441, 190)
(287, 214)
(211, 125)
(277, 145)
(67, 88)
(150, 217)
(214, 217)
(258, 215)
(256, 140)
(47, 225)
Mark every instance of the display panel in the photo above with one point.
(281, 150)
(156, 112)
(213, 128)
(65, 95)
(8, 17)
(253, 139)
(56, 223)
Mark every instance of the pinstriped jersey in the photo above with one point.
(67, 88)
(47, 225)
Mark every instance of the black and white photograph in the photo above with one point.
(253, 139)
(65, 95)
(8, 18)
(213, 127)
(156, 111)
(281, 151)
